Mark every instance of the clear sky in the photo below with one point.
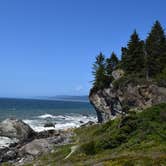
(47, 47)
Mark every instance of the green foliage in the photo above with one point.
(133, 79)
(99, 72)
(88, 148)
(161, 78)
(130, 130)
(102, 70)
(156, 50)
(111, 63)
(133, 56)
(144, 60)
(6, 164)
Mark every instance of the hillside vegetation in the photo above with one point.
(135, 139)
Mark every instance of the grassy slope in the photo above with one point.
(137, 139)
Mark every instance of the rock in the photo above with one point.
(36, 147)
(24, 161)
(47, 133)
(81, 121)
(57, 140)
(112, 102)
(20, 144)
(13, 128)
(63, 138)
(117, 74)
(9, 155)
(90, 123)
(49, 124)
(8, 142)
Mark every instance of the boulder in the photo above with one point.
(117, 74)
(7, 142)
(11, 154)
(36, 147)
(47, 133)
(13, 128)
(90, 123)
(49, 124)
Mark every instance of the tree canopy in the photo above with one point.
(133, 59)
(143, 58)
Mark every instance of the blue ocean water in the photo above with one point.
(64, 114)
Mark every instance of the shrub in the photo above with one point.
(88, 148)
(161, 78)
(134, 79)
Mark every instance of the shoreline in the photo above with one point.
(23, 147)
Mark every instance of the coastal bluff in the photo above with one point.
(125, 95)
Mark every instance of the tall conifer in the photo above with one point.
(111, 63)
(156, 50)
(99, 72)
(133, 57)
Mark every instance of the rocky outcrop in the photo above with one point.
(118, 74)
(106, 104)
(111, 102)
(49, 124)
(16, 129)
(20, 144)
(36, 147)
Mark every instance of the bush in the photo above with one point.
(128, 131)
(88, 148)
(134, 79)
(161, 78)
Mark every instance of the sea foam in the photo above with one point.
(46, 116)
(5, 142)
(62, 122)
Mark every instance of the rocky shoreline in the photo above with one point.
(23, 144)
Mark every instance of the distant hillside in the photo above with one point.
(67, 98)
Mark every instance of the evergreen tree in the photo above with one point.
(111, 63)
(133, 57)
(99, 72)
(114, 60)
(156, 50)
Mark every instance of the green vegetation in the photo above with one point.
(133, 56)
(102, 70)
(156, 50)
(145, 60)
(99, 72)
(134, 139)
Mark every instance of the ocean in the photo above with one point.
(37, 112)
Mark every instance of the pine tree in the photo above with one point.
(156, 50)
(133, 57)
(114, 60)
(111, 64)
(99, 72)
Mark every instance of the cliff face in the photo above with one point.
(111, 102)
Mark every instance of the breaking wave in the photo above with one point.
(61, 122)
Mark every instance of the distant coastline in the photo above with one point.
(83, 98)
(54, 98)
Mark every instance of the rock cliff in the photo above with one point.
(111, 102)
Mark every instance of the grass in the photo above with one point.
(138, 139)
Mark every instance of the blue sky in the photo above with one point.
(47, 47)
